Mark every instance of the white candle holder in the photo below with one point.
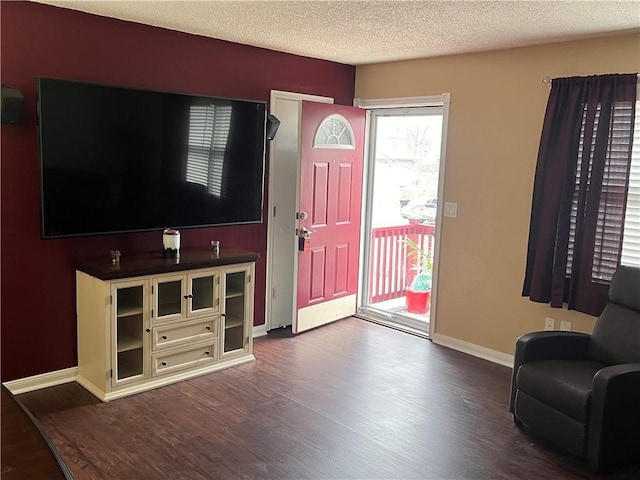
(170, 243)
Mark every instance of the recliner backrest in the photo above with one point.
(616, 334)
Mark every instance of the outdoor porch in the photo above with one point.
(393, 268)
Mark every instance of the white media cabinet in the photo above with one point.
(148, 321)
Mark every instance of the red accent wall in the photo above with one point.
(38, 326)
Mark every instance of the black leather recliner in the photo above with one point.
(582, 392)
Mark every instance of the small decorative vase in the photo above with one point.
(170, 243)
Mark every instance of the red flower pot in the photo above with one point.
(417, 302)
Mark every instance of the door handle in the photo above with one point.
(305, 232)
(303, 239)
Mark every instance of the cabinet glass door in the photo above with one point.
(203, 293)
(129, 332)
(234, 315)
(170, 296)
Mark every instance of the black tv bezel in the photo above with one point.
(45, 236)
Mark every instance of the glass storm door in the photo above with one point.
(404, 171)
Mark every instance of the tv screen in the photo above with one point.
(116, 159)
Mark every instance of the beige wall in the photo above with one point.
(496, 113)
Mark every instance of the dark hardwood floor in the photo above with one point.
(351, 400)
(25, 452)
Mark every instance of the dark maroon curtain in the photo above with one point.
(580, 191)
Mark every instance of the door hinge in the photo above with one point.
(152, 313)
(110, 299)
(152, 289)
(274, 211)
(110, 374)
(248, 278)
(273, 293)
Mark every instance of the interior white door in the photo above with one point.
(282, 248)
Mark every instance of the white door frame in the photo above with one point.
(284, 195)
(365, 248)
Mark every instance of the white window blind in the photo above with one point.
(609, 225)
(631, 240)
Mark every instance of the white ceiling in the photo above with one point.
(360, 32)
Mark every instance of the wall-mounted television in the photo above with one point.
(116, 159)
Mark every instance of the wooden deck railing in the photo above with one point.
(391, 271)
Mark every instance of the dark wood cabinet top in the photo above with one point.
(154, 263)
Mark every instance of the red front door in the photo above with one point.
(332, 151)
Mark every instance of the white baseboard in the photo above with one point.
(260, 330)
(473, 349)
(36, 382)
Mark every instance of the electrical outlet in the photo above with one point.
(549, 324)
(566, 326)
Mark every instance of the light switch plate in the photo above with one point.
(450, 209)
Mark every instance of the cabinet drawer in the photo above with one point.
(186, 357)
(185, 332)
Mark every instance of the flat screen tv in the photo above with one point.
(116, 159)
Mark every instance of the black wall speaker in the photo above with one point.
(272, 126)
(11, 105)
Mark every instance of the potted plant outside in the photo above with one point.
(418, 294)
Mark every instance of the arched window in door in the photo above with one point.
(334, 132)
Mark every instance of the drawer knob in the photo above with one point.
(164, 337)
(164, 364)
(206, 353)
(208, 327)
(148, 330)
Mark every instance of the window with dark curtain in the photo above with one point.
(580, 191)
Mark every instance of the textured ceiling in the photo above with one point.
(360, 32)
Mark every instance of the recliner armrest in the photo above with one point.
(614, 425)
(554, 345)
